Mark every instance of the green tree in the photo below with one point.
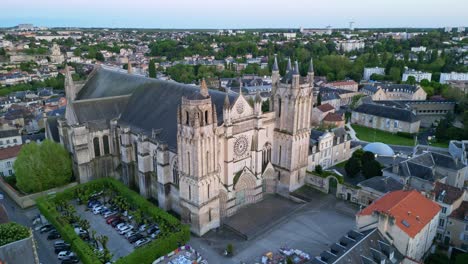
(152, 69)
(353, 166)
(318, 169)
(99, 56)
(41, 167)
(411, 80)
(371, 168)
(11, 232)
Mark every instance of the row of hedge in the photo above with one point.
(173, 233)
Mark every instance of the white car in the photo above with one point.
(142, 242)
(65, 254)
(110, 213)
(1, 196)
(120, 225)
(98, 209)
(129, 234)
(142, 228)
(125, 229)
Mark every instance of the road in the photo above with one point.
(24, 217)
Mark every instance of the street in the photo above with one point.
(45, 249)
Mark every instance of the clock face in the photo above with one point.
(240, 107)
(241, 145)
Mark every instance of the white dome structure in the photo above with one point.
(379, 148)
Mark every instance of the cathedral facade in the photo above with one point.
(201, 153)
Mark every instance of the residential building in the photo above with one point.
(369, 71)
(459, 151)
(390, 119)
(7, 159)
(336, 97)
(349, 85)
(10, 138)
(453, 76)
(212, 152)
(374, 188)
(457, 228)
(418, 49)
(429, 112)
(462, 86)
(328, 148)
(405, 218)
(449, 198)
(319, 113)
(333, 120)
(418, 75)
(385, 91)
(350, 45)
(423, 170)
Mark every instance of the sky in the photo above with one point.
(234, 13)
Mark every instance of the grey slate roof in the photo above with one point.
(387, 112)
(382, 184)
(142, 103)
(100, 109)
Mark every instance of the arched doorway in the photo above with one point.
(245, 190)
(332, 185)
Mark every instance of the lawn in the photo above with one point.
(375, 135)
(443, 144)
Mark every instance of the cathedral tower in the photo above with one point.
(199, 174)
(292, 100)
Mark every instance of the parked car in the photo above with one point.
(98, 209)
(116, 222)
(112, 218)
(46, 228)
(80, 231)
(93, 203)
(142, 242)
(119, 226)
(65, 255)
(53, 235)
(125, 229)
(155, 234)
(109, 213)
(72, 259)
(129, 234)
(61, 248)
(60, 243)
(142, 228)
(134, 238)
(1, 196)
(152, 230)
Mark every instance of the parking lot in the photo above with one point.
(117, 244)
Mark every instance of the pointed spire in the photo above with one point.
(227, 104)
(311, 66)
(289, 67)
(240, 85)
(204, 88)
(275, 64)
(296, 68)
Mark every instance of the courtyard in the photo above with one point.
(310, 227)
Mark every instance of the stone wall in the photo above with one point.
(25, 201)
(21, 251)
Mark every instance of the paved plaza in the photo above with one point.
(310, 227)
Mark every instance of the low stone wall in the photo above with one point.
(25, 201)
(21, 251)
(317, 182)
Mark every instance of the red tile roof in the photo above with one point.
(325, 107)
(8, 153)
(333, 117)
(342, 83)
(461, 212)
(412, 211)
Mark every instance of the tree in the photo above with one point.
(41, 167)
(366, 157)
(152, 69)
(353, 166)
(99, 56)
(371, 169)
(411, 80)
(318, 169)
(11, 232)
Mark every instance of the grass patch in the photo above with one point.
(375, 135)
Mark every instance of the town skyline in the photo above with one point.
(182, 14)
